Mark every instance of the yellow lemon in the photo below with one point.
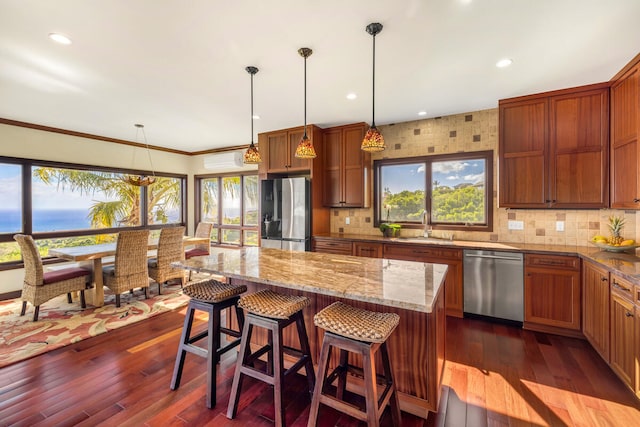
(627, 242)
(598, 238)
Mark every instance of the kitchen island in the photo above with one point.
(413, 290)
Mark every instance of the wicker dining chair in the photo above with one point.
(130, 270)
(170, 249)
(202, 230)
(40, 286)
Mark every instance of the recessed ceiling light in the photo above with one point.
(60, 38)
(255, 117)
(352, 96)
(504, 63)
(422, 113)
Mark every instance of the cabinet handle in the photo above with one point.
(636, 200)
(604, 279)
(628, 314)
(622, 288)
(547, 201)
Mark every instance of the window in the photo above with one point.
(230, 202)
(452, 191)
(66, 205)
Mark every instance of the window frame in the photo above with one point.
(27, 206)
(216, 234)
(487, 156)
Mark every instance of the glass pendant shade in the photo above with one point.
(373, 140)
(142, 180)
(252, 155)
(305, 149)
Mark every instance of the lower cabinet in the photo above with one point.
(596, 307)
(454, 299)
(623, 323)
(332, 246)
(552, 294)
(367, 249)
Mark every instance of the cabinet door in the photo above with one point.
(366, 249)
(353, 178)
(625, 100)
(277, 156)
(294, 136)
(332, 246)
(622, 338)
(552, 298)
(595, 307)
(523, 149)
(579, 149)
(332, 151)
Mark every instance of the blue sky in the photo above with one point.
(411, 176)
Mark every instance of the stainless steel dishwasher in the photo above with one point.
(494, 284)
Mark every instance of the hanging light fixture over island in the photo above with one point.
(373, 139)
(252, 155)
(305, 148)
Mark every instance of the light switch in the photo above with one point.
(559, 225)
(347, 220)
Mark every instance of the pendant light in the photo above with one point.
(252, 155)
(142, 180)
(373, 139)
(305, 148)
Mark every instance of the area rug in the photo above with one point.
(60, 323)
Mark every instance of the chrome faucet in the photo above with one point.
(427, 228)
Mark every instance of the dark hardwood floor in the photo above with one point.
(495, 375)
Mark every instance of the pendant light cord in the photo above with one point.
(305, 97)
(251, 108)
(373, 103)
(144, 136)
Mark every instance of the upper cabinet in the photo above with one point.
(625, 128)
(278, 150)
(554, 149)
(345, 167)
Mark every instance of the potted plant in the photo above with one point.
(390, 230)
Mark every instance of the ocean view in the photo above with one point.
(46, 220)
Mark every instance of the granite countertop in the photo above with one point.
(403, 284)
(627, 264)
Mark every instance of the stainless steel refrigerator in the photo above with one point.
(286, 214)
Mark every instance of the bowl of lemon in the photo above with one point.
(614, 243)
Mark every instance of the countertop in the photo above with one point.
(403, 284)
(626, 264)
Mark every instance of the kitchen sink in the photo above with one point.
(429, 240)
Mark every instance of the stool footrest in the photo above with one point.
(344, 407)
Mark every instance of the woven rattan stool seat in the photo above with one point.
(356, 323)
(210, 290)
(271, 304)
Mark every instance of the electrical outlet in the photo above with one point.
(347, 220)
(516, 225)
(559, 225)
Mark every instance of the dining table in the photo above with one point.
(96, 254)
(413, 290)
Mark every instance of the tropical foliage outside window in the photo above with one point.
(447, 191)
(73, 205)
(230, 202)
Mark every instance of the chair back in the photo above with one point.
(33, 271)
(170, 247)
(131, 253)
(204, 230)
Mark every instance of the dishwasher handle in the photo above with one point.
(493, 257)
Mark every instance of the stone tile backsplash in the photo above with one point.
(478, 131)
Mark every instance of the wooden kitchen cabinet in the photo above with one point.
(625, 129)
(623, 345)
(367, 249)
(552, 294)
(278, 150)
(454, 298)
(332, 246)
(596, 307)
(346, 167)
(560, 141)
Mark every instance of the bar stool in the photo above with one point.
(362, 332)
(211, 296)
(273, 312)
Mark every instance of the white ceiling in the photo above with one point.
(178, 66)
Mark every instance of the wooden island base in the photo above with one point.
(416, 347)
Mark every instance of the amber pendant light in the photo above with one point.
(373, 139)
(305, 148)
(252, 155)
(142, 180)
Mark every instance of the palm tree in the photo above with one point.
(123, 208)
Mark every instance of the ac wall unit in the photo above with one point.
(229, 160)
